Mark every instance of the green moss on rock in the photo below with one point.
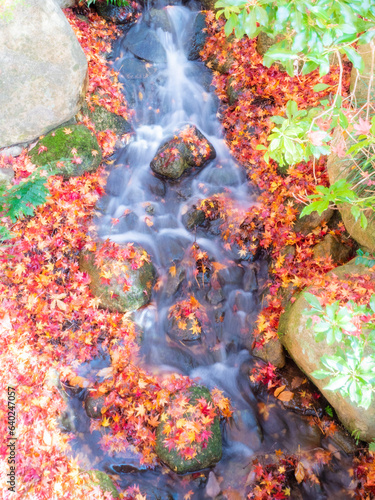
(206, 457)
(105, 120)
(59, 146)
(102, 479)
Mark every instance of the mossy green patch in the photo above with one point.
(75, 146)
(206, 457)
(102, 479)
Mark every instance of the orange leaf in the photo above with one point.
(286, 396)
(279, 390)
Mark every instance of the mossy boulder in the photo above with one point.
(205, 456)
(102, 479)
(74, 145)
(105, 120)
(121, 277)
(299, 341)
(188, 148)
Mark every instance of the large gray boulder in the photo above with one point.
(42, 71)
(299, 341)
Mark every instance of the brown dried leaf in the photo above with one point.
(285, 396)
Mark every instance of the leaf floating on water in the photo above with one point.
(300, 473)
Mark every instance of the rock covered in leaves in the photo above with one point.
(121, 277)
(188, 437)
(46, 69)
(188, 148)
(299, 340)
(74, 150)
(118, 15)
(185, 320)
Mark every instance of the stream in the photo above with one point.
(166, 92)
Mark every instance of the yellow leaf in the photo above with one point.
(105, 422)
(67, 131)
(172, 271)
(299, 473)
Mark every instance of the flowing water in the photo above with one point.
(167, 94)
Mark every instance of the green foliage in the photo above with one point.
(118, 3)
(319, 28)
(329, 410)
(351, 370)
(22, 199)
(365, 259)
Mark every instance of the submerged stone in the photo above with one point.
(121, 277)
(205, 453)
(143, 42)
(186, 149)
(94, 405)
(75, 146)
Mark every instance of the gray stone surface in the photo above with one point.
(63, 4)
(42, 71)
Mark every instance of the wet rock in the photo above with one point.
(213, 487)
(101, 479)
(158, 18)
(299, 340)
(46, 71)
(330, 246)
(215, 296)
(135, 69)
(173, 282)
(123, 287)
(205, 457)
(94, 405)
(193, 218)
(250, 282)
(198, 37)
(184, 330)
(344, 441)
(200, 74)
(188, 148)
(230, 275)
(105, 120)
(143, 42)
(271, 352)
(234, 91)
(128, 222)
(309, 222)
(59, 145)
(117, 15)
(115, 182)
(157, 187)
